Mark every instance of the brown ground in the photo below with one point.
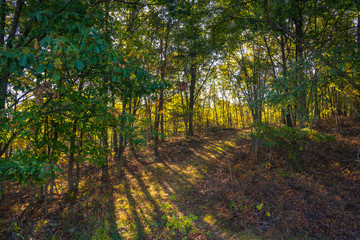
(260, 199)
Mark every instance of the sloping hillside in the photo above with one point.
(204, 187)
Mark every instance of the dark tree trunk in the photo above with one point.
(162, 127)
(300, 72)
(77, 179)
(192, 99)
(159, 119)
(71, 182)
(287, 112)
(157, 123)
(105, 166)
(121, 145)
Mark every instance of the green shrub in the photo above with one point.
(291, 140)
(101, 233)
(177, 223)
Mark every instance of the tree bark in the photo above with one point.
(71, 162)
(287, 112)
(193, 75)
(157, 123)
(299, 31)
(159, 118)
(105, 166)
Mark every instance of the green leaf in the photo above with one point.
(87, 32)
(115, 78)
(23, 60)
(79, 65)
(40, 68)
(102, 46)
(97, 50)
(38, 17)
(56, 76)
(94, 32)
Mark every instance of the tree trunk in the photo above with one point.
(119, 155)
(105, 166)
(32, 191)
(159, 116)
(72, 159)
(300, 72)
(287, 112)
(157, 122)
(115, 143)
(192, 98)
(162, 129)
(3, 90)
(46, 198)
(185, 117)
(52, 184)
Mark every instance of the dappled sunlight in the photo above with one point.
(209, 219)
(189, 120)
(194, 191)
(142, 194)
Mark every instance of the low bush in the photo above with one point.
(291, 140)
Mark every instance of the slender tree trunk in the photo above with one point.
(72, 159)
(120, 158)
(3, 89)
(46, 198)
(77, 175)
(316, 102)
(32, 191)
(41, 192)
(300, 64)
(316, 97)
(157, 122)
(159, 116)
(105, 166)
(115, 143)
(51, 190)
(2, 22)
(150, 131)
(192, 98)
(162, 125)
(287, 112)
(223, 113)
(4, 76)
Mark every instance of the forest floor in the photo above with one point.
(209, 186)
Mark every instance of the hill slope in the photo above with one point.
(205, 187)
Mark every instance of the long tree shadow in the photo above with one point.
(110, 219)
(144, 214)
(190, 202)
(144, 188)
(203, 205)
(94, 218)
(140, 232)
(186, 207)
(172, 180)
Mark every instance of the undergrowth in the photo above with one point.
(291, 140)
